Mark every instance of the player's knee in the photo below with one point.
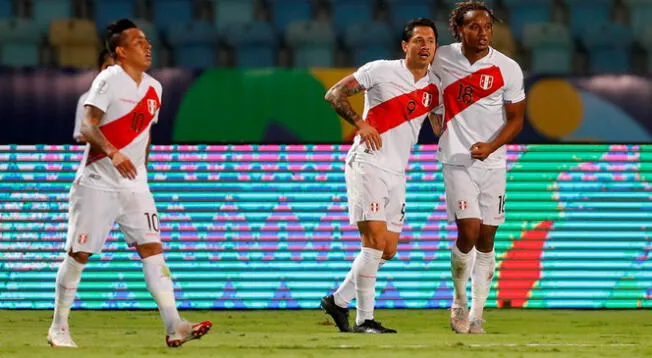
(373, 234)
(81, 257)
(149, 249)
(468, 234)
(485, 243)
(466, 240)
(376, 241)
(375, 238)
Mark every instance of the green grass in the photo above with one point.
(512, 333)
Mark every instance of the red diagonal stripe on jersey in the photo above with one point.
(125, 129)
(481, 84)
(408, 106)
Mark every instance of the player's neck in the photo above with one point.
(134, 73)
(418, 71)
(474, 55)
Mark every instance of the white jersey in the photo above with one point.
(129, 111)
(79, 115)
(396, 106)
(474, 97)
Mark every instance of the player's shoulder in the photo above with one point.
(505, 62)
(83, 97)
(153, 82)
(447, 51)
(110, 74)
(381, 65)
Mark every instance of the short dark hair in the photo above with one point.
(408, 29)
(104, 55)
(114, 35)
(457, 15)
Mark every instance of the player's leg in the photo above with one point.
(379, 242)
(396, 210)
(463, 207)
(492, 203)
(366, 195)
(374, 236)
(481, 277)
(141, 227)
(88, 226)
(336, 305)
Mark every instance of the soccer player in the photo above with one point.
(105, 60)
(398, 96)
(111, 184)
(484, 105)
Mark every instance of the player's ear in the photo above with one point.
(120, 52)
(404, 46)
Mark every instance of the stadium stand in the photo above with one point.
(328, 37)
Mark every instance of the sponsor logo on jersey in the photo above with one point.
(462, 204)
(82, 239)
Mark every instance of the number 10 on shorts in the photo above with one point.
(501, 204)
(152, 222)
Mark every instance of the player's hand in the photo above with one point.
(80, 139)
(369, 135)
(481, 150)
(436, 121)
(126, 168)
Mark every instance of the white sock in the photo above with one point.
(159, 284)
(346, 292)
(483, 273)
(68, 278)
(365, 271)
(461, 265)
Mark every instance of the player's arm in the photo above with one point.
(90, 129)
(79, 116)
(338, 97)
(515, 117)
(436, 119)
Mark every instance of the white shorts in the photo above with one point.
(93, 212)
(375, 195)
(473, 192)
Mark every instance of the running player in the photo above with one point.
(111, 184)
(105, 60)
(484, 104)
(398, 96)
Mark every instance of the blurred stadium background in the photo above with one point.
(247, 170)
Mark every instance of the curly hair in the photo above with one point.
(457, 15)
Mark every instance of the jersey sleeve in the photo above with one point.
(79, 116)
(100, 94)
(514, 89)
(366, 75)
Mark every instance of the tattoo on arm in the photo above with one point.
(338, 97)
(90, 129)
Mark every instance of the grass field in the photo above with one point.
(308, 333)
